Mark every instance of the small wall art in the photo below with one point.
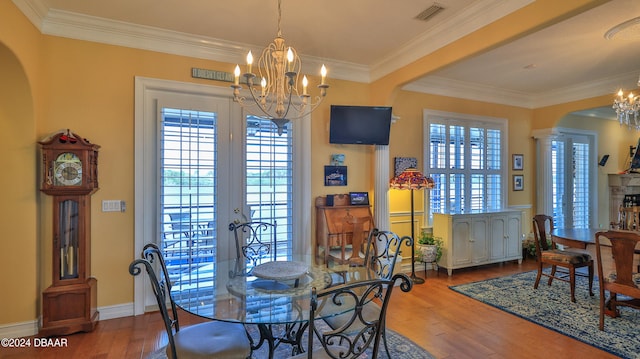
(518, 182)
(402, 163)
(518, 162)
(337, 159)
(335, 175)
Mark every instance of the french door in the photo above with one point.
(201, 163)
(571, 181)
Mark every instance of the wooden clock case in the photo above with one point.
(69, 305)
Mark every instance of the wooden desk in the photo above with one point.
(329, 222)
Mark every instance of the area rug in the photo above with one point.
(551, 307)
(399, 346)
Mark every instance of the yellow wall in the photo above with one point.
(50, 83)
(19, 255)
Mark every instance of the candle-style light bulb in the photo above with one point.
(289, 58)
(305, 82)
(620, 93)
(249, 61)
(236, 74)
(263, 83)
(323, 73)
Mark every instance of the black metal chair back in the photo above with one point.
(255, 241)
(382, 250)
(218, 339)
(161, 292)
(358, 331)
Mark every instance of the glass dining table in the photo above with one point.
(274, 295)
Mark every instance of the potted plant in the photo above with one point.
(429, 247)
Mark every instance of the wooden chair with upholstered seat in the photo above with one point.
(205, 340)
(548, 253)
(622, 280)
(357, 331)
(351, 241)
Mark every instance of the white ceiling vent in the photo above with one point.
(430, 12)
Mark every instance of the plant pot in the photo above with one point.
(429, 252)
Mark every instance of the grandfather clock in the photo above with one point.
(70, 175)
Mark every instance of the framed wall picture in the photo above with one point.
(518, 162)
(402, 163)
(335, 175)
(518, 182)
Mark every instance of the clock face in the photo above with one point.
(67, 170)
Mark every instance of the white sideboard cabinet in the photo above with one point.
(478, 238)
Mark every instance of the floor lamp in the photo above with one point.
(412, 179)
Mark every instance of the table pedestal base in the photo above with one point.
(291, 334)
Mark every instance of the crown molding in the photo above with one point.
(593, 88)
(460, 89)
(89, 28)
(95, 29)
(34, 10)
(470, 19)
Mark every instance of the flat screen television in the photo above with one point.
(361, 125)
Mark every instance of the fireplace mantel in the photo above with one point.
(619, 186)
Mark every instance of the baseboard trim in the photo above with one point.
(30, 328)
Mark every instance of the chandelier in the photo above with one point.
(278, 91)
(626, 107)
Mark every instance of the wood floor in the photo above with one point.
(447, 324)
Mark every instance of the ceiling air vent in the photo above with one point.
(430, 12)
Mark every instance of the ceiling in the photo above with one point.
(362, 40)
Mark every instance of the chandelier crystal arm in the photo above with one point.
(627, 106)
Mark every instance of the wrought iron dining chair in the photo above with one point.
(204, 340)
(622, 280)
(358, 331)
(548, 253)
(383, 250)
(381, 254)
(255, 241)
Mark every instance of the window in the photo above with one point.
(187, 209)
(465, 156)
(269, 177)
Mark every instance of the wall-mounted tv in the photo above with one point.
(361, 125)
